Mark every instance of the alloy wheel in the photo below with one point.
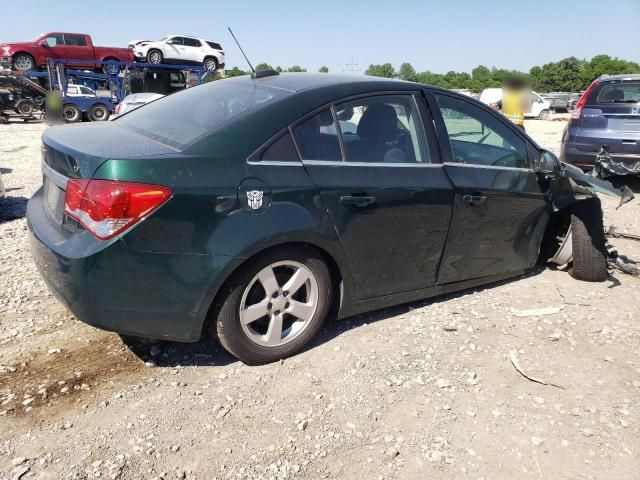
(23, 62)
(154, 57)
(279, 303)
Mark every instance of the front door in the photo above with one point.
(500, 210)
(388, 202)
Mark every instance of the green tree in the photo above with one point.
(296, 68)
(263, 66)
(385, 71)
(323, 70)
(234, 72)
(407, 72)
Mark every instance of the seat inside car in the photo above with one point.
(377, 128)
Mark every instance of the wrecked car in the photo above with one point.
(253, 209)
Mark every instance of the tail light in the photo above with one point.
(116, 111)
(107, 208)
(577, 111)
(221, 52)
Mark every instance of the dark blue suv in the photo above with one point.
(607, 114)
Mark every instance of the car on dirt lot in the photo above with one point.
(607, 115)
(255, 208)
(178, 49)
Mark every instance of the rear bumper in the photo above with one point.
(115, 288)
(585, 160)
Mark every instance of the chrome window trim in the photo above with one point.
(488, 167)
(370, 164)
(57, 178)
(281, 163)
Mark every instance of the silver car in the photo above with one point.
(133, 101)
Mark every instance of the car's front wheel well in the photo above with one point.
(334, 271)
(556, 229)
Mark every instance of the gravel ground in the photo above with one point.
(426, 390)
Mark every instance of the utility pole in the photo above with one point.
(351, 67)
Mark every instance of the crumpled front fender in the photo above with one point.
(573, 185)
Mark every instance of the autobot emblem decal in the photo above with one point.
(254, 198)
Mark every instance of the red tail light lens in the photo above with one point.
(583, 100)
(107, 208)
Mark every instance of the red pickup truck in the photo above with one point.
(26, 56)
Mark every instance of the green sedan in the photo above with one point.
(254, 209)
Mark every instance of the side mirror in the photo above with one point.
(548, 164)
(44, 43)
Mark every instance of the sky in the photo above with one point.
(437, 36)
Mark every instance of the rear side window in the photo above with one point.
(282, 150)
(627, 92)
(214, 45)
(75, 40)
(317, 138)
(382, 129)
(478, 137)
(191, 42)
(186, 116)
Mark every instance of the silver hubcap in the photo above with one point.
(23, 63)
(154, 57)
(279, 303)
(210, 65)
(99, 113)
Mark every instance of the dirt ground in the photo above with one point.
(426, 390)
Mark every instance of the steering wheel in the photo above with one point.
(502, 161)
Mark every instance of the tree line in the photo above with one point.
(567, 75)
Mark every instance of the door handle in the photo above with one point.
(359, 201)
(474, 199)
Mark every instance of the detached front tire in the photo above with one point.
(274, 305)
(588, 241)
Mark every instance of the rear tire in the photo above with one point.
(210, 64)
(544, 115)
(588, 242)
(155, 56)
(99, 113)
(71, 113)
(111, 69)
(250, 342)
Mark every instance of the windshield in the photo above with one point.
(184, 117)
(627, 92)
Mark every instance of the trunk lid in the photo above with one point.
(77, 151)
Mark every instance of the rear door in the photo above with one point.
(76, 47)
(383, 187)
(611, 117)
(500, 211)
(193, 50)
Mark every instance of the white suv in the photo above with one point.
(179, 50)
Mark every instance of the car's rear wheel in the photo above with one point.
(71, 113)
(110, 68)
(274, 305)
(588, 241)
(155, 57)
(210, 64)
(544, 115)
(25, 107)
(99, 113)
(23, 62)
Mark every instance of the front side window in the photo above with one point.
(86, 91)
(175, 41)
(186, 116)
(54, 39)
(382, 129)
(479, 138)
(317, 138)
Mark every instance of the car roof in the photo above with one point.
(624, 76)
(299, 81)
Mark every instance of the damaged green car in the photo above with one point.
(254, 208)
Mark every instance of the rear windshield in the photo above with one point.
(627, 92)
(184, 117)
